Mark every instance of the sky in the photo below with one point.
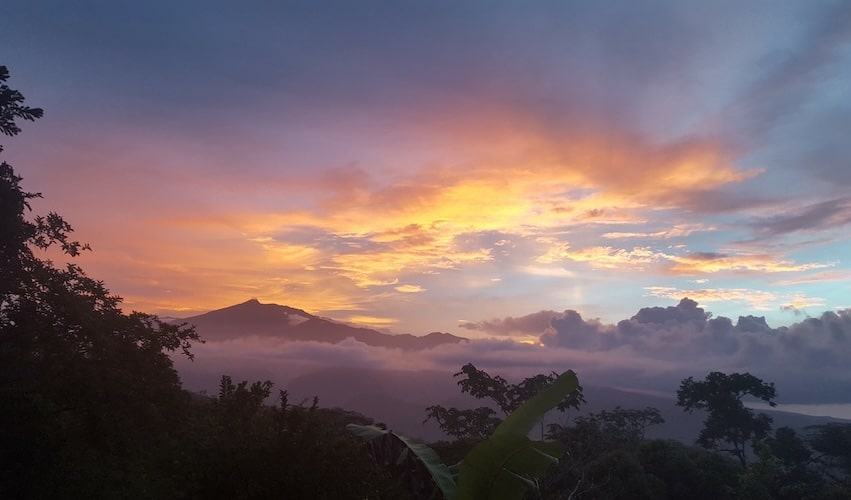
(468, 167)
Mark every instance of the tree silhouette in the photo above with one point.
(479, 423)
(89, 393)
(601, 459)
(12, 107)
(730, 425)
(832, 444)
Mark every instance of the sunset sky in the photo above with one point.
(423, 166)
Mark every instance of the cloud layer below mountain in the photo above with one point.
(653, 350)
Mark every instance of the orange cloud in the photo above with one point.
(701, 263)
(833, 275)
(496, 170)
(507, 143)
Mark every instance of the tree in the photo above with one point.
(238, 447)
(506, 465)
(625, 424)
(691, 472)
(480, 422)
(832, 443)
(475, 423)
(729, 426)
(12, 107)
(783, 469)
(600, 447)
(90, 396)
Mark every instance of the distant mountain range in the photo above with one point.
(252, 318)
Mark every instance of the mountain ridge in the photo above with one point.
(253, 318)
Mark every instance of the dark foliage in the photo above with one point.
(478, 423)
(601, 459)
(729, 426)
(239, 448)
(90, 397)
(831, 445)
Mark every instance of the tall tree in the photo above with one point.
(729, 426)
(89, 393)
(479, 423)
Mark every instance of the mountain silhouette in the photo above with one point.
(252, 318)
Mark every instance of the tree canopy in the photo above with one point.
(478, 423)
(729, 425)
(88, 391)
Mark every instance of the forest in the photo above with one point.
(92, 407)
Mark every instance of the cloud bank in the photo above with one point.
(652, 350)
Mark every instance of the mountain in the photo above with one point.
(252, 318)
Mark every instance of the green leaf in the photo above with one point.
(368, 432)
(528, 483)
(532, 460)
(402, 446)
(554, 449)
(524, 419)
(483, 469)
(504, 465)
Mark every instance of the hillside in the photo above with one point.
(253, 319)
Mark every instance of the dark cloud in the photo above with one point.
(720, 201)
(828, 214)
(792, 309)
(755, 324)
(788, 80)
(684, 312)
(571, 331)
(531, 324)
(686, 334)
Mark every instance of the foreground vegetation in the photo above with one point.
(93, 408)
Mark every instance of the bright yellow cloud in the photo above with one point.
(374, 321)
(677, 231)
(638, 258)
